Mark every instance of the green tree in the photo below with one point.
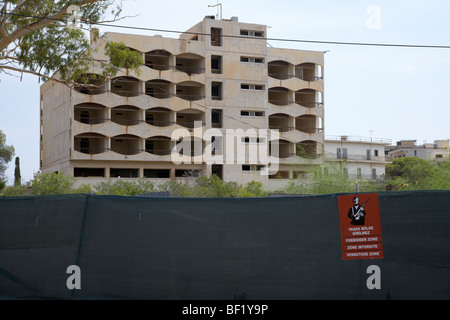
(6, 154)
(38, 37)
(124, 188)
(56, 183)
(412, 173)
(14, 191)
(17, 176)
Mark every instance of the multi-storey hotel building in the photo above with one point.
(219, 74)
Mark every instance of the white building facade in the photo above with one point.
(362, 158)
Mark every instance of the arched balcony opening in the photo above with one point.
(90, 143)
(279, 96)
(280, 122)
(309, 72)
(125, 86)
(285, 149)
(159, 146)
(90, 113)
(280, 70)
(125, 115)
(127, 145)
(187, 118)
(158, 60)
(190, 63)
(307, 149)
(160, 89)
(91, 83)
(308, 124)
(191, 91)
(309, 98)
(159, 117)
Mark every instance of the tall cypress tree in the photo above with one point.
(17, 176)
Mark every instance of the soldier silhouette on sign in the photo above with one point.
(357, 213)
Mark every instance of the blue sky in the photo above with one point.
(390, 93)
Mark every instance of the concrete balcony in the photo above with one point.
(90, 113)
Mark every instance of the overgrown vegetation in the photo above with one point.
(417, 174)
(402, 174)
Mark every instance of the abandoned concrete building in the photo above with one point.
(220, 73)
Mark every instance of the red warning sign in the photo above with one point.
(360, 227)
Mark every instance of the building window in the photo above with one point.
(157, 174)
(216, 146)
(188, 173)
(374, 174)
(216, 37)
(368, 157)
(252, 113)
(216, 64)
(359, 173)
(252, 60)
(376, 153)
(124, 173)
(216, 90)
(217, 169)
(257, 87)
(439, 156)
(345, 172)
(216, 118)
(341, 153)
(253, 140)
(89, 172)
(252, 168)
(252, 33)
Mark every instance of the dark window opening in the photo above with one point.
(217, 169)
(216, 90)
(84, 117)
(157, 174)
(124, 173)
(216, 118)
(216, 37)
(89, 172)
(216, 64)
(188, 173)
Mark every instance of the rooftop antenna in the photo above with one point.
(217, 5)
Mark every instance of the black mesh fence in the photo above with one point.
(281, 248)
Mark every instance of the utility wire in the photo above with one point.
(247, 37)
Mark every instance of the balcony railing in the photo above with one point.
(127, 151)
(163, 152)
(310, 104)
(127, 122)
(92, 121)
(309, 130)
(281, 102)
(189, 125)
(91, 151)
(282, 128)
(185, 69)
(358, 157)
(285, 76)
(359, 139)
(190, 97)
(160, 123)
